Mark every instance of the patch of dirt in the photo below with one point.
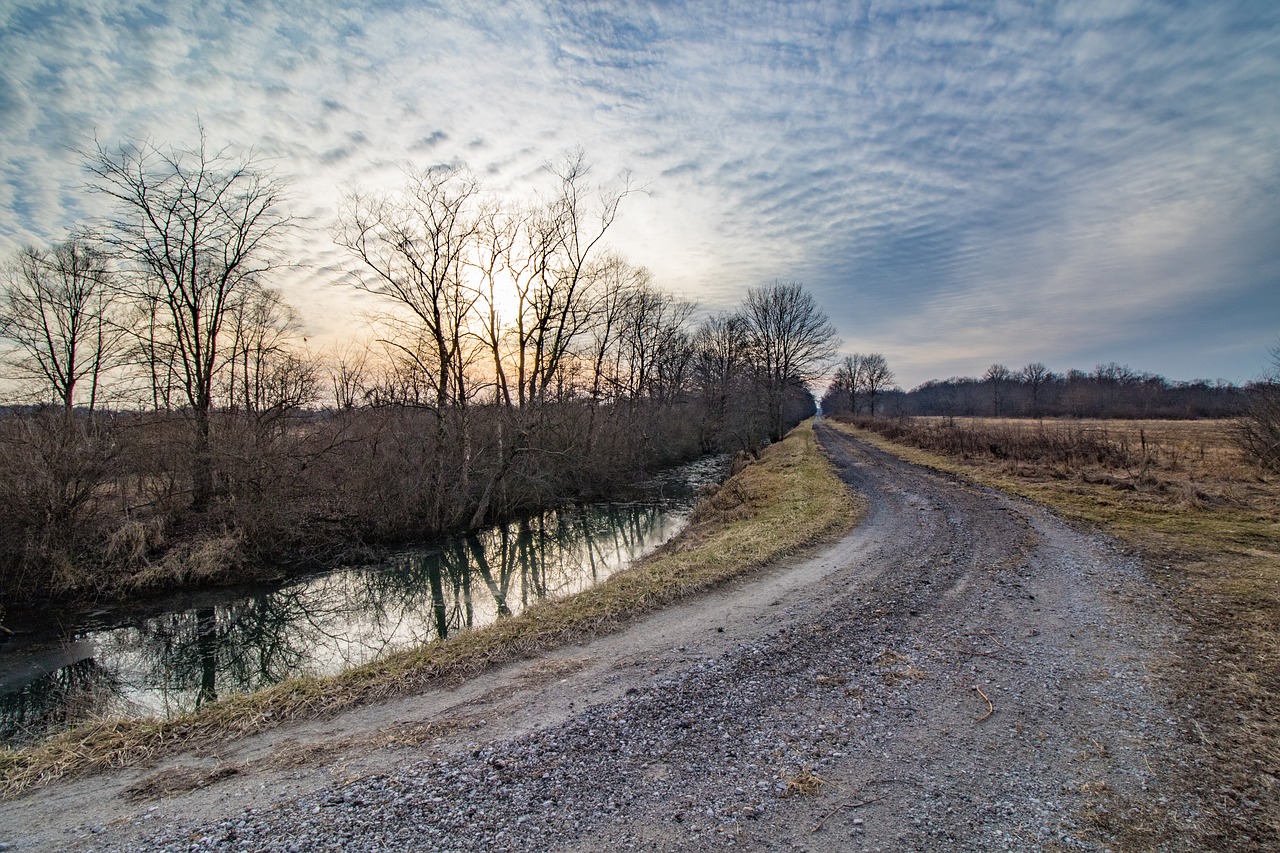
(961, 672)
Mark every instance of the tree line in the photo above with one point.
(1110, 390)
(177, 428)
(862, 387)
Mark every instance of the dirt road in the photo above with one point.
(961, 672)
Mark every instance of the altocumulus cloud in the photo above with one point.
(959, 183)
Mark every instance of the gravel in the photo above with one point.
(858, 722)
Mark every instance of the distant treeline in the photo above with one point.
(1108, 391)
(170, 425)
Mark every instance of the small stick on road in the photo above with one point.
(991, 709)
(847, 805)
(993, 638)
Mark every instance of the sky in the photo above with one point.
(957, 183)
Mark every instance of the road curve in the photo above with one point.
(962, 672)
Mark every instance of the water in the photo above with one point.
(188, 650)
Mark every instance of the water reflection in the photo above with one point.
(206, 649)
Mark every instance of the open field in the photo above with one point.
(1208, 525)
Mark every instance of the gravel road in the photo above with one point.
(961, 672)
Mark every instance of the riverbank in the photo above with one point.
(95, 508)
(163, 656)
(787, 500)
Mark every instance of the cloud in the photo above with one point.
(958, 184)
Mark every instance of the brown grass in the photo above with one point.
(788, 500)
(1208, 524)
(805, 783)
(179, 780)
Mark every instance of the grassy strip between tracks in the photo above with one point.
(1208, 527)
(783, 502)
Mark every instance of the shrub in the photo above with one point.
(1257, 433)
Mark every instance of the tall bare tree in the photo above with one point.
(264, 367)
(414, 248)
(847, 382)
(720, 376)
(997, 376)
(417, 248)
(1036, 376)
(876, 378)
(58, 309)
(500, 274)
(792, 341)
(653, 348)
(554, 278)
(195, 226)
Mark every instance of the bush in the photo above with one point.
(53, 467)
(1257, 433)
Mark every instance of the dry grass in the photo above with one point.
(179, 780)
(805, 783)
(788, 500)
(1208, 524)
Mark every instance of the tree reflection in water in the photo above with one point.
(186, 658)
(78, 691)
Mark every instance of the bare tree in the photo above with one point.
(414, 248)
(562, 240)
(498, 233)
(348, 371)
(997, 376)
(653, 349)
(791, 342)
(842, 394)
(673, 352)
(1257, 433)
(1035, 376)
(289, 380)
(876, 378)
(720, 375)
(58, 308)
(196, 226)
(262, 330)
(613, 292)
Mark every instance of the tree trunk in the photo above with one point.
(202, 464)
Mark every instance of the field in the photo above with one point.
(1207, 524)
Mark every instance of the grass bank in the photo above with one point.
(1208, 526)
(785, 501)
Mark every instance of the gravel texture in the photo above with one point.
(964, 673)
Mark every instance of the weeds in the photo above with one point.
(1257, 434)
(805, 783)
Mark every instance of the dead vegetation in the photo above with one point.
(179, 780)
(806, 783)
(1207, 521)
(787, 500)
